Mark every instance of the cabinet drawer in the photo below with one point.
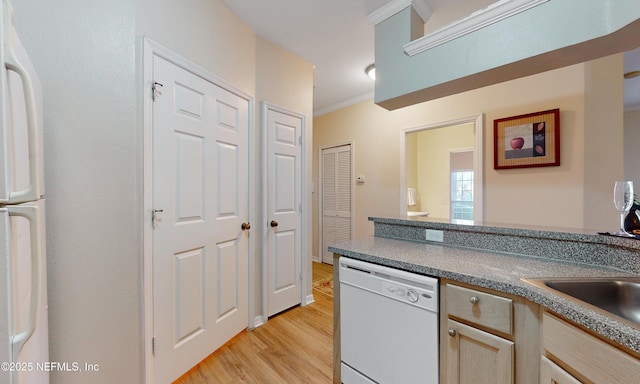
(592, 358)
(481, 308)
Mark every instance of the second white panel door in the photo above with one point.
(284, 205)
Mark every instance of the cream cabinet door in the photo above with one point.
(550, 373)
(477, 357)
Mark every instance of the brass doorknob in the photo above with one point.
(274, 223)
(245, 226)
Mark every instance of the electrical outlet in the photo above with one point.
(434, 235)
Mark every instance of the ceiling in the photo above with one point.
(338, 39)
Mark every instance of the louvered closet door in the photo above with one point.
(337, 180)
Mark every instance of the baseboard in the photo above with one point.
(257, 322)
(309, 300)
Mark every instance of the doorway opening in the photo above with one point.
(441, 170)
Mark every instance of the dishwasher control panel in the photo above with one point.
(411, 294)
(412, 288)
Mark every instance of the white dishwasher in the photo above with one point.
(388, 325)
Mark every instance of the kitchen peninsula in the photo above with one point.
(490, 262)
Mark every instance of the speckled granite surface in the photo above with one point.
(503, 271)
(577, 246)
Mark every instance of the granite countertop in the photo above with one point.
(498, 271)
(587, 236)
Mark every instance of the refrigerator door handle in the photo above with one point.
(12, 62)
(31, 214)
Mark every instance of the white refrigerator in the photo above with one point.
(24, 350)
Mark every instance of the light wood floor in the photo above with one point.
(295, 346)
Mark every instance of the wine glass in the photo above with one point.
(623, 200)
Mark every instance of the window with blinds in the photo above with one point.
(461, 185)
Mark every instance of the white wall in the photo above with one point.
(84, 52)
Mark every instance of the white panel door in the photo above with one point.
(337, 184)
(284, 203)
(200, 198)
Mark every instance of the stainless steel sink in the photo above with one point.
(618, 296)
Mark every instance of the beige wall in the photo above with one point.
(603, 134)
(548, 196)
(411, 158)
(206, 32)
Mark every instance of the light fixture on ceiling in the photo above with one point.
(371, 71)
(632, 74)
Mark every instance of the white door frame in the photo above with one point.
(262, 227)
(151, 49)
(320, 187)
(478, 160)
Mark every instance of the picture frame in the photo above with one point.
(524, 141)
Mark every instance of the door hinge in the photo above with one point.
(300, 140)
(156, 90)
(300, 208)
(155, 218)
(300, 275)
(153, 345)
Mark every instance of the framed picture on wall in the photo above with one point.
(531, 140)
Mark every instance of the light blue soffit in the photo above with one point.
(551, 35)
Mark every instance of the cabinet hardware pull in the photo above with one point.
(452, 332)
(474, 300)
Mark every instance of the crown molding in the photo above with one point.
(492, 14)
(398, 5)
(344, 104)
